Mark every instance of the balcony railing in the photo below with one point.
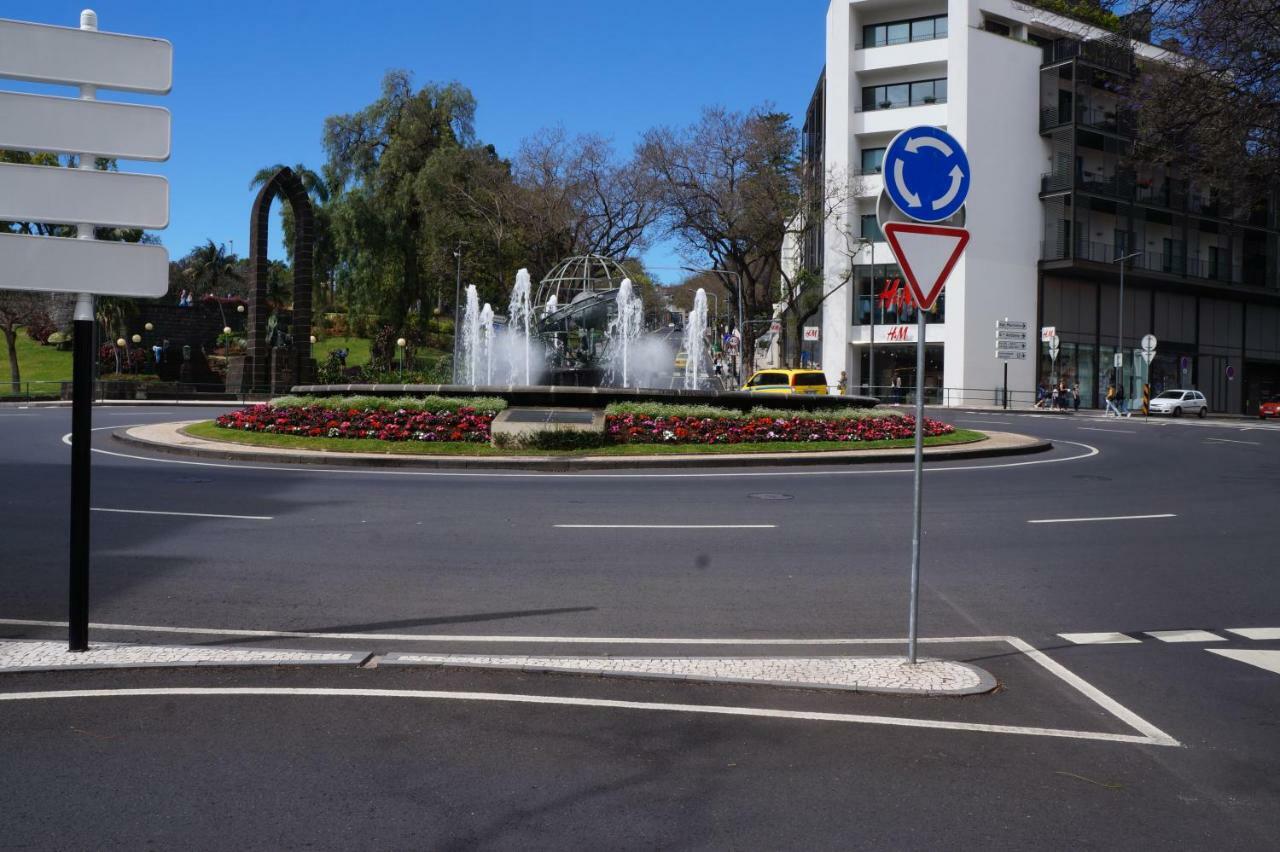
(1113, 54)
(1120, 122)
(1151, 261)
(887, 105)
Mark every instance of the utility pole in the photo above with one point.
(457, 313)
(1119, 359)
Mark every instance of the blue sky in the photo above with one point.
(254, 81)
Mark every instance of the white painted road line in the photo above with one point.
(1256, 632)
(1000, 422)
(1231, 441)
(1185, 636)
(1096, 429)
(561, 701)
(1268, 660)
(665, 526)
(185, 514)
(1100, 639)
(1106, 518)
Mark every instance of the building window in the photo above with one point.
(871, 228)
(993, 26)
(897, 95)
(871, 160)
(901, 32)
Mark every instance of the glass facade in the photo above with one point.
(901, 32)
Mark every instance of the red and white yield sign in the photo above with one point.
(927, 254)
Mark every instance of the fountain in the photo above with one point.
(623, 333)
(695, 337)
(520, 329)
(486, 341)
(468, 372)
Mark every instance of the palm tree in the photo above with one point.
(211, 265)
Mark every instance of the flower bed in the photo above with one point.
(460, 420)
(462, 425)
(641, 429)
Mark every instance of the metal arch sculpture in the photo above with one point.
(285, 184)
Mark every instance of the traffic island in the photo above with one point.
(200, 439)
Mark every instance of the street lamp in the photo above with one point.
(149, 327)
(137, 338)
(400, 342)
(1120, 327)
(457, 299)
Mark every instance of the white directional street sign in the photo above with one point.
(40, 53)
(51, 194)
(63, 265)
(1016, 325)
(74, 126)
(1011, 344)
(87, 128)
(1009, 355)
(1002, 334)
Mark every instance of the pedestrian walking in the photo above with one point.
(842, 386)
(1111, 401)
(1075, 397)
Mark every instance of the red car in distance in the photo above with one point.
(1269, 408)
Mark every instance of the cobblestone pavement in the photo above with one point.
(20, 655)
(863, 674)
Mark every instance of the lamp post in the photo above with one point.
(457, 300)
(1120, 327)
(400, 345)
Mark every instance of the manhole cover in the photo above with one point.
(770, 495)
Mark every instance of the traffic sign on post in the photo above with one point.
(87, 129)
(927, 254)
(926, 173)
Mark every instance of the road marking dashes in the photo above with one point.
(1268, 660)
(1189, 635)
(1185, 636)
(1100, 638)
(1256, 632)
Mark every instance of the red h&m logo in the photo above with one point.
(898, 333)
(894, 295)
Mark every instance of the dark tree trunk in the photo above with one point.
(11, 341)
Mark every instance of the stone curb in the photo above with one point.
(220, 451)
(986, 681)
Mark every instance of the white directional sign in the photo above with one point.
(1016, 325)
(1011, 344)
(50, 194)
(40, 53)
(1005, 334)
(61, 265)
(87, 128)
(74, 126)
(1009, 355)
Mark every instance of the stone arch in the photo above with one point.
(286, 185)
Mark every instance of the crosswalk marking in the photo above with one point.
(1256, 632)
(1100, 638)
(1268, 660)
(1185, 636)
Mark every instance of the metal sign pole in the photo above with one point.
(917, 500)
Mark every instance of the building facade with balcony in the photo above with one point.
(1036, 99)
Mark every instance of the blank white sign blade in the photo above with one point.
(72, 126)
(41, 53)
(62, 265)
(69, 196)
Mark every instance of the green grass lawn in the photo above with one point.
(211, 431)
(358, 347)
(37, 363)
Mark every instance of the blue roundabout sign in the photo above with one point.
(926, 174)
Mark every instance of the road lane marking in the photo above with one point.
(1117, 431)
(1100, 639)
(1231, 441)
(999, 422)
(185, 514)
(666, 526)
(1256, 632)
(1105, 518)
(1185, 636)
(1089, 452)
(1150, 733)
(1267, 660)
(604, 703)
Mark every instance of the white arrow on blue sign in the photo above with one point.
(926, 174)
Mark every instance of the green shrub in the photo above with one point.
(482, 404)
(662, 409)
(552, 440)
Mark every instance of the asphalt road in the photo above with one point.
(399, 561)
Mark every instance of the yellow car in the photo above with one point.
(788, 381)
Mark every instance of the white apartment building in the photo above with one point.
(1033, 97)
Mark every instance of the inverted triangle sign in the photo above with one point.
(927, 254)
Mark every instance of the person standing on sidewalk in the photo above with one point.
(1075, 397)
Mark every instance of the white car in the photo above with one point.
(1176, 402)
